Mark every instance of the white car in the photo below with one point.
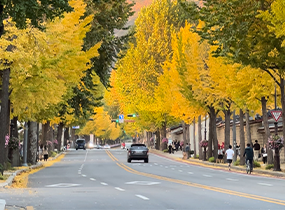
(106, 146)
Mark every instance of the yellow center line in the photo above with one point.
(216, 189)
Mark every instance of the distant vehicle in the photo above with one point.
(98, 146)
(106, 146)
(138, 152)
(80, 144)
(90, 145)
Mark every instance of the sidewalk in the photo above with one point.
(9, 182)
(222, 166)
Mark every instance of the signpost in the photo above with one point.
(276, 115)
(121, 118)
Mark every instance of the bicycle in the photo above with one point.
(248, 167)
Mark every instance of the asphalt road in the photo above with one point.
(102, 179)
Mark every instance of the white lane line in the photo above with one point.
(103, 183)
(180, 171)
(205, 175)
(155, 164)
(120, 189)
(161, 165)
(92, 179)
(83, 175)
(166, 166)
(150, 165)
(230, 179)
(173, 168)
(265, 184)
(142, 197)
(190, 172)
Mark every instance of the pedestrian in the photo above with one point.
(187, 150)
(230, 154)
(173, 147)
(45, 153)
(264, 154)
(256, 150)
(170, 148)
(220, 154)
(177, 146)
(248, 153)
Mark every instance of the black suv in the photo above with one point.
(138, 152)
(80, 144)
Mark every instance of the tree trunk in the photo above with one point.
(242, 140)
(227, 130)
(194, 139)
(66, 135)
(157, 143)
(199, 139)
(15, 127)
(210, 145)
(73, 137)
(213, 131)
(163, 130)
(45, 133)
(184, 134)
(266, 130)
(32, 143)
(248, 133)
(283, 109)
(4, 125)
(59, 134)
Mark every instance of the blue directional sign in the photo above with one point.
(121, 118)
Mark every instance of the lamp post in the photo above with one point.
(204, 152)
(276, 153)
(25, 145)
(234, 136)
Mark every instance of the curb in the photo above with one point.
(10, 179)
(220, 166)
(2, 204)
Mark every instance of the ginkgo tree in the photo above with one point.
(46, 62)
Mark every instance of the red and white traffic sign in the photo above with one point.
(276, 114)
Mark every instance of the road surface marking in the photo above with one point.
(265, 184)
(166, 166)
(83, 175)
(201, 186)
(92, 179)
(142, 197)
(190, 172)
(142, 183)
(63, 185)
(205, 175)
(155, 164)
(103, 183)
(161, 165)
(180, 171)
(173, 168)
(120, 189)
(230, 179)
(150, 165)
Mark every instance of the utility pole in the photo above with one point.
(234, 136)
(25, 145)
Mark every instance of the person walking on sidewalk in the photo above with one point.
(187, 150)
(45, 153)
(170, 148)
(248, 153)
(256, 149)
(264, 154)
(230, 154)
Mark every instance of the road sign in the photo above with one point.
(276, 114)
(121, 118)
(76, 127)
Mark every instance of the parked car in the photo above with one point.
(138, 152)
(106, 146)
(80, 144)
(98, 146)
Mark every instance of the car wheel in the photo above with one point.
(129, 160)
(84, 148)
(76, 148)
(146, 160)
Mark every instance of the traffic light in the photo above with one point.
(131, 115)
